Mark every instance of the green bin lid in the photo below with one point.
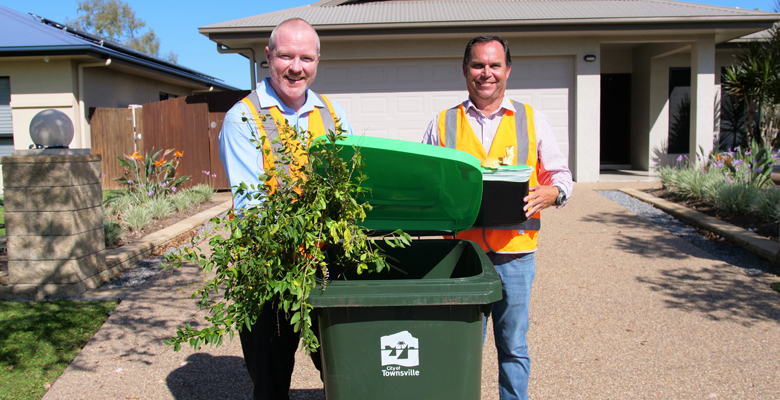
(415, 186)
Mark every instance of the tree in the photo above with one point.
(116, 21)
(754, 82)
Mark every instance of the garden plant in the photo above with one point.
(150, 190)
(736, 182)
(272, 250)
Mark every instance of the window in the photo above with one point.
(6, 125)
(679, 110)
(732, 120)
(166, 96)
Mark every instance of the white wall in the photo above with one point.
(37, 85)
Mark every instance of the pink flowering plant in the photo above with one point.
(151, 177)
(277, 249)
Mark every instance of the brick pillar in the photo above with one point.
(54, 225)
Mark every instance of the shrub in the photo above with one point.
(159, 208)
(668, 177)
(181, 201)
(737, 198)
(206, 192)
(769, 205)
(115, 205)
(697, 183)
(136, 217)
(112, 231)
(736, 182)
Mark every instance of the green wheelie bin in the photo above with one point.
(415, 331)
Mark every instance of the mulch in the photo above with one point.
(158, 224)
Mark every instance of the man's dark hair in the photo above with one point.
(485, 39)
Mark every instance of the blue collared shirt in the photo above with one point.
(242, 161)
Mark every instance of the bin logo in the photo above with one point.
(400, 349)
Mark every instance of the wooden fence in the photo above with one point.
(112, 137)
(189, 124)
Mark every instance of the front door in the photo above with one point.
(615, 121)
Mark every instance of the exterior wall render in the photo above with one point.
(37, 85)
(659, 109)
(640, 103)
(703, 92)
(587, 115)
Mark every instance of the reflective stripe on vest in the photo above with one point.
(518, 237)
(268, 128)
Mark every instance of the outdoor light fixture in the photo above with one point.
(51, 129)
(263, 64)
(590, 57)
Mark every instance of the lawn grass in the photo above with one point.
(39, 339)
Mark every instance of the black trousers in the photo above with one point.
(269, 353)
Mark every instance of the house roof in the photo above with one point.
(362, 14)
(29, 35)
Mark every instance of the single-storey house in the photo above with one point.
(46, 65)
(614, 77)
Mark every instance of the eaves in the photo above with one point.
(89, 50)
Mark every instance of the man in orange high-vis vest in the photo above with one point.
(486, 125)
(293, 53)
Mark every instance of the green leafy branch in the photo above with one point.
(273, 250)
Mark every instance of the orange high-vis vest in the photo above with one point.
(270, 130)
(515, 129)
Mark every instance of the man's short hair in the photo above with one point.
(274, 33)
(486, 39)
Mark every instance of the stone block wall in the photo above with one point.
(54, 225)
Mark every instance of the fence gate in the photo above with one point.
(112, 137)
(174, 124)
(189, 124)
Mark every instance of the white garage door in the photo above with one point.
(398, 98)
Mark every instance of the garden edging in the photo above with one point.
(759, 245)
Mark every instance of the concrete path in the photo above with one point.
(621, 309)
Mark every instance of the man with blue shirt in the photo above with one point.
(293, 53)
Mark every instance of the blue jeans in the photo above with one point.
(510, 323)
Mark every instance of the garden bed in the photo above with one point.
(752, 222)
(157, 224)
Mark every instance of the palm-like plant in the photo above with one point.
(755, 83)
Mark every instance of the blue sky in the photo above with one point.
(176, 24)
